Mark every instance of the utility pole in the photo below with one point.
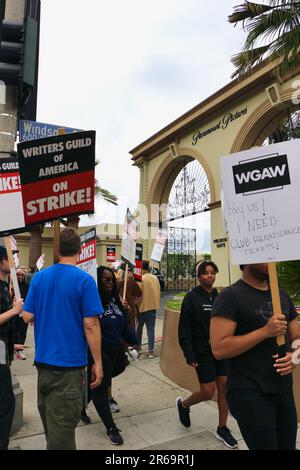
(14, 12)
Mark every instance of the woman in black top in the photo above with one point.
(193, 332)
(115, 330)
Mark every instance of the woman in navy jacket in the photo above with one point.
(115, 331)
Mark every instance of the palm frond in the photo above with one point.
(107, 195)
(273, 31)
(245, 60)
(287, 48)
(269, 27)
(247, 10)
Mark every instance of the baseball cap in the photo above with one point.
(242, 267)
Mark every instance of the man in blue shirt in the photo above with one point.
(64, 303)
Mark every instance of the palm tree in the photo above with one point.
(273, 31)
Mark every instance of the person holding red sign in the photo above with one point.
(260, 389)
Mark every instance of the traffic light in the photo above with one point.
(11, 52)
(19, 46)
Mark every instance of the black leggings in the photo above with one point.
(21, 331)
(7, 406)
(266, 421)
(111, 357)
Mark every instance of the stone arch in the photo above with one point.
(167, 172)
(261, 122)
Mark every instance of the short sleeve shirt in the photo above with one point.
(60, 297)
(250, 309)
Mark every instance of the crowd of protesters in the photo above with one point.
(66, 321)
(82, 334)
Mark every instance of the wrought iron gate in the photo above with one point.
(179, 259)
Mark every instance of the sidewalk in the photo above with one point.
(148, 417)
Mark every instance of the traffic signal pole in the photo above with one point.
(14, 12)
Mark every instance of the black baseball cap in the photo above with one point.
(242, 267)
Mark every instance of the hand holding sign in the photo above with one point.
(258, 186)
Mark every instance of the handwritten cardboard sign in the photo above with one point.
(260, 198)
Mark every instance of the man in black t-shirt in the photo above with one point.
(259, 388)
(7, 339)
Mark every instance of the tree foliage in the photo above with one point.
(273, 31)
(289, 278)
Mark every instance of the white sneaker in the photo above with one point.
(20, 355)
(114, 408)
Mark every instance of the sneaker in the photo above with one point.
(150, 355)
(224, 435)
(114, 436)
(20, 355)
(85, 418)
(184, 413)
(133, 353)
(114, 408)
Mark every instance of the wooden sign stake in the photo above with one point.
(56, 223)
(125, 283)
(12, 266)
(275, 297)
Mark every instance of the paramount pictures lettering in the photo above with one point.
(222, 124)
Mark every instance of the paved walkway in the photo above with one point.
(148, 417)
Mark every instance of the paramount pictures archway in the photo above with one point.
(237, 117)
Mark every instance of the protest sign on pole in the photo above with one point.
(15, 251)
(13, 273)
(110, 253)
(138, 269)
(11, 206)
(40, 262)
(159, 246)
(128, 248)
(259, 187)
(129, 238)
(88, 256)
(57, 176)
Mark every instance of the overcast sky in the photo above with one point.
(127, 69)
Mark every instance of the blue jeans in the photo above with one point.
(148, 319)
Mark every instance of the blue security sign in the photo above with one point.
(31, 130)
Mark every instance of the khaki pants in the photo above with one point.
(60, 404)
